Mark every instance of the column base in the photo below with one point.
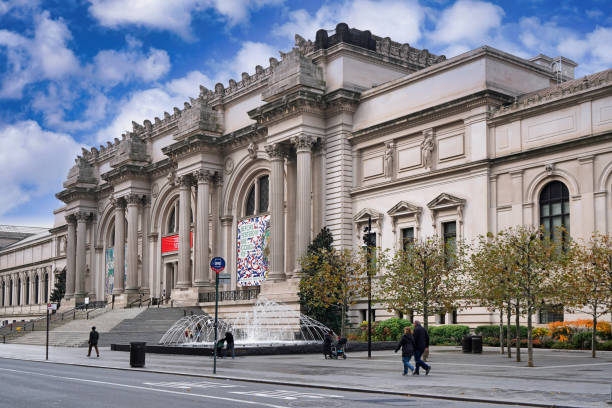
(123, 300)
(282, 291)
(185, 296)
(276, 277)
(132, 291)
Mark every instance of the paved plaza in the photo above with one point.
(560, 378)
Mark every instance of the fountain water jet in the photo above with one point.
(268, 324)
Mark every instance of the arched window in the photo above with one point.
(36, 289)
(11, 292)
(3, 293)
(554, 208)
(18, 291)
(258, 197)
(27, 291)
(171, 224)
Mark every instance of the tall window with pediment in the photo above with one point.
(258, 196)
(554, 209)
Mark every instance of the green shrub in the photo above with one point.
(491, 341)
(582, 340)
(492, 330)
(385, 330)
(606, 345)
(547, 343)
(447, 334)
(562, 345)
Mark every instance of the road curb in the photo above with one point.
(305, 385)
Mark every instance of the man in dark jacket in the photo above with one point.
(93, 341)
(229, 343)
(407, 346)
(421, 343)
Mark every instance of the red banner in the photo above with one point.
(171, 243)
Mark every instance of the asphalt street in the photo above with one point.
(35, 384)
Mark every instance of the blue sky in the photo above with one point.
(76, 72)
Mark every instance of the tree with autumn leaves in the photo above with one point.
(423, 277)
(586, 282)
(335, 279)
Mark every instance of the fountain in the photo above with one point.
(268, 324)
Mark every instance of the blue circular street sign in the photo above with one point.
(217, 264)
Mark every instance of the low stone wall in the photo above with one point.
(258, 351)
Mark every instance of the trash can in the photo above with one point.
(137, 354)
(466, 344)
(477, 344)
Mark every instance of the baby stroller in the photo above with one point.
(338, 349)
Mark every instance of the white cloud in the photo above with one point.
(45, 56)
(400, 20)
(189, 84)
(33, 162)
(172, 15)
(250, 54)
(111, 67)
(467, 21)
(18, 8)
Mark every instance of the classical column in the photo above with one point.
(290, 225)
(202, 229)
(303, 145)
(226, 245)
(133, 202)
(70, 256)
(119, 248)
(277, 218)
(184, 267)
(32, 288)
(81, 229)
(146, 214)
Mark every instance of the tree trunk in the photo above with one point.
(342, 320)
(425, 316)
(501, 330)
(508, 336)
(517, 319)
(594, 337)
(529, 336)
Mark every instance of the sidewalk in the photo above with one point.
(560, 378)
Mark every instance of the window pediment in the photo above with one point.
(404, 209)
(362, 216)
(445, 201)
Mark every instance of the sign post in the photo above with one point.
(217, 264)
(50, 306)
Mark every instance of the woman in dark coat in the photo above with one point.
(327, 343)
(407, 346)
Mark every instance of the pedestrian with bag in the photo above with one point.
(407, 345)
(421, 344)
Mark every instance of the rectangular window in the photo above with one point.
(449, 230)
(454, 317)
(550, 314)
(442, 318)
(371, 239)
(407, 237)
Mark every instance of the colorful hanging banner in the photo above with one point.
(252, 254)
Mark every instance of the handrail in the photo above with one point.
(31, 324)
(139, 301)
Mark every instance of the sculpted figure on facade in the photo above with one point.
(252, 149)
(427, 148)
(389, 147)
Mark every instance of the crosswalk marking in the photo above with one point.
(285, 395)
(189, 385)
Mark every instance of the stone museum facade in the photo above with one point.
(338, 130)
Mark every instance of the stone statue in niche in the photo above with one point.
(252, 149)
(427, 148)
(62, 245)
(389, 159)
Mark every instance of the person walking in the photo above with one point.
(407, 345)
(327, 343)
(93, 341)
(229, 343)
(421, 343)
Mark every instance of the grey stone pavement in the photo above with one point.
(560, 378)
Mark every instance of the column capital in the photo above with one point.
(71, 219)
(185, 181)
(118, 202)
(275, 151)
(133, 199)
(146, 201)
(203, 176)
(82, 216)
(303, 142)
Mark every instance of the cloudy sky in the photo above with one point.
(76, 72)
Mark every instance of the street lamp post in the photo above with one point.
(368, 242)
